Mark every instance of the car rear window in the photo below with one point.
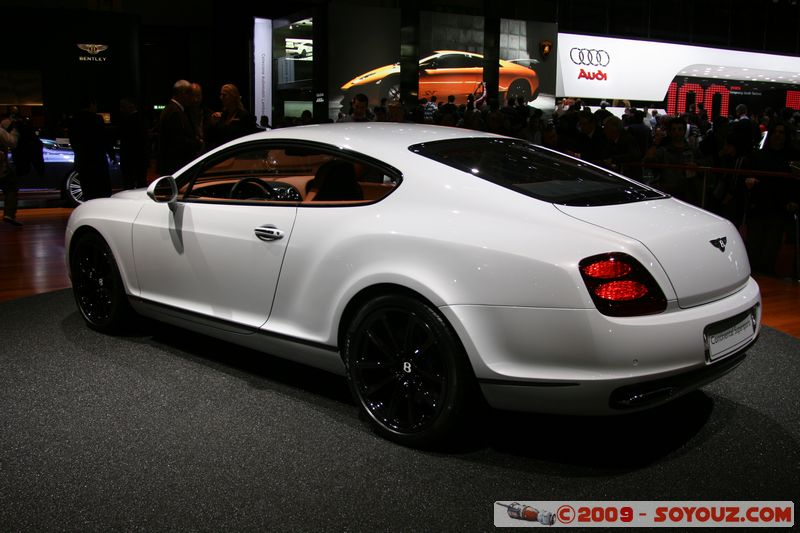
(537, 172)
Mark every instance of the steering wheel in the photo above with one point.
(265, 190)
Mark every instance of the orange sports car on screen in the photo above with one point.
(451, 72)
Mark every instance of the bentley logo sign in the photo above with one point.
(93, 50)
(719, 243)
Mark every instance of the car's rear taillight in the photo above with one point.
(620, 286)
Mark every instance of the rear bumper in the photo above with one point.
(577, 361)
(655, 392)
(604, 398)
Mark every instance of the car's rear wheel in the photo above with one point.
(408, 371)
(71, 190)
(520, 88)
(97, 284)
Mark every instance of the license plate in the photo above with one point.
(723, 338)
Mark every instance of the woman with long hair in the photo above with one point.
(232, 122)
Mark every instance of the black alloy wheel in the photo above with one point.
(97, 285)
(408, 371)
(520, 88)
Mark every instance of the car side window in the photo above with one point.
(346, 181)
(274, 173)
(459, 61)
(237, 176)
(473, 62)
(451, 61)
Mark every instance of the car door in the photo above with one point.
(451, 73)
(219, 251)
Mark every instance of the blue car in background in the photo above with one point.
(60, 174)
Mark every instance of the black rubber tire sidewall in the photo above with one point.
(520, 87)
(119, 317)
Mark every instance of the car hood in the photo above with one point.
(702, 254)
(373, 75)
(132, 194)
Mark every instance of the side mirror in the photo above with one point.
(164, 190)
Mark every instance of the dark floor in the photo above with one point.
(169, 431)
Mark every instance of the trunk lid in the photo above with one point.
(701, 253)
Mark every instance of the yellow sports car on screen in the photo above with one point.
(450, 72)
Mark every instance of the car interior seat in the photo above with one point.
(335, 180)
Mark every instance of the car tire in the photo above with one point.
(97, 285)
(520, 88)
(408, 372)
(71, 190)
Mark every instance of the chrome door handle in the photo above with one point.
(268, 233)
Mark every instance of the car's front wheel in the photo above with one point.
(408, 371)
(389, 88)
(71, 190)
(97, 284)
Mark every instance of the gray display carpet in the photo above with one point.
(167, 430)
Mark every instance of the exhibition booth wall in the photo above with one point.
(449, 58)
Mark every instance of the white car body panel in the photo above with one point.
(462, 266)
(112, 218)
(623, 350)
(206, 258)
(501, 267)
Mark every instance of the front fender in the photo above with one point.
(113, 219)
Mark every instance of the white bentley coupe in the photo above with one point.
(430, 266)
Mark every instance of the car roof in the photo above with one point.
(378, 139)
(439, 53)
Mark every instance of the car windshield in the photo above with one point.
(537, 172)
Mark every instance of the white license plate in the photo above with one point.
(724, 337)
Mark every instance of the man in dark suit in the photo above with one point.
(177, 142)
(744, 132)
(133, 146)
(9, 138)
(592, 145)
(623, 153)
(92, 147)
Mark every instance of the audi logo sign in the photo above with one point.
(644, 70)
(589, 57)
